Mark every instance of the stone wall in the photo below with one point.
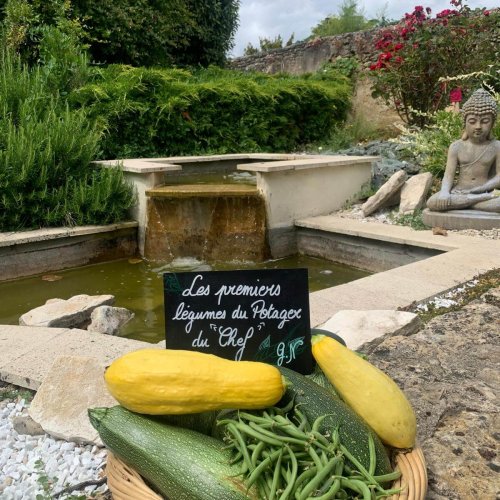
(304, 57)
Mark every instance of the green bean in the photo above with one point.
(319, 437)
(291, 481)
(320, 476)
(237, 457)
(305, 475)
(357, 486)
(271, 435)
(369, 477)
(276, 476)
(392, 476)
(256, 473)
(257, 451)
(319, 421)
(241, 441)
(315, 457)
(373, 456)
(332, 492)
(249, 431)
(287, 408)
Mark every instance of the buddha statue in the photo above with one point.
(476, 160)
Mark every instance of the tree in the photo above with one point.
(266, 44)
(146, 32)
(349, 19)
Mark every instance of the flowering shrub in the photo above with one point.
(420, 50)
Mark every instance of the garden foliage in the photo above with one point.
(421, 50)
(45, 151)
(430, 144)
(163, 112)
(136, 32)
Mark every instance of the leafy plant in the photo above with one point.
(138, 32)
(45, 154)
(413, 220)
(153, 112)
(420, 50)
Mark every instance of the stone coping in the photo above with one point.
(463, 258)
(307, 163)
(402, 235)
(202, 191)
(35, 235)
(28, 352)
(174, 163)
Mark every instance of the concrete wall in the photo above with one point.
(305, 57)
(27, 253)
(302, 188)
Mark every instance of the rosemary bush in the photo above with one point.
(45, 152)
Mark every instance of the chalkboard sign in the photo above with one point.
(257, 315)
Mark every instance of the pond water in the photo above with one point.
(138, 286)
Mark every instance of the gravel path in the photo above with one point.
(41, 465)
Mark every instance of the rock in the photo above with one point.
(449, 371)
(108, 319)
(72, 313)
(24, 424)
(72, 385)
(387, 193)
(492, 297)
(414, 193)
(365, 329)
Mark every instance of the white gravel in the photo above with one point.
(386, 216)
(25, 460)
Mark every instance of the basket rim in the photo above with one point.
(126, 484)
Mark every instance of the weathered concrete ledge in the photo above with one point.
(459, 259)
(202, 191)
(26, 253)
(28, 352)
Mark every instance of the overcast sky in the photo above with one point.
(269, 18)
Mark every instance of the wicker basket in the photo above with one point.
(125, 484)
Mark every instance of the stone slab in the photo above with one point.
(461, 219)
(364, 329)
(307, 163)
(27, 353)
(414, 192)
(387, 195)
(59, 313)
(72, 385)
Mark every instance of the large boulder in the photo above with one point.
(387, 195)
(72, 313)
(108, 319)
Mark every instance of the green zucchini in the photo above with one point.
(179, 463)
(315, 401)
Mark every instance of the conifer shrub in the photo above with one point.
(163, 112)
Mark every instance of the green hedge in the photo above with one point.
(160, 112)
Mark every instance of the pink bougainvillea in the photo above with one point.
(418, 51)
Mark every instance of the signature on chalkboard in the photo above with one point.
(283, 352)
(171, 284)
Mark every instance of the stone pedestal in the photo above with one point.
(462, 219)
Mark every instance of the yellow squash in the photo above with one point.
(372, 394)
(169, 382)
